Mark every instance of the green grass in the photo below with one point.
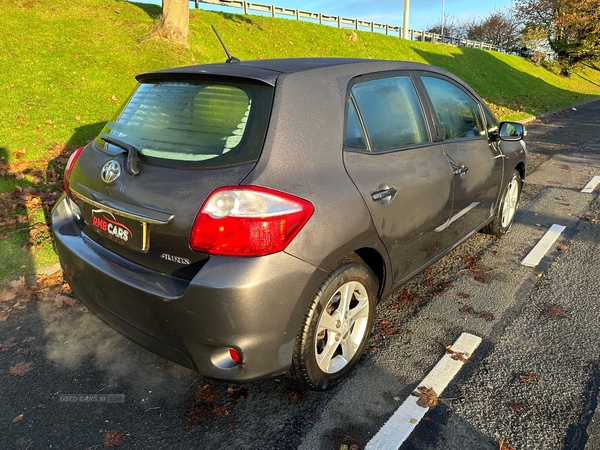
(67, 66)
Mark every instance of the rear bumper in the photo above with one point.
(255, 305)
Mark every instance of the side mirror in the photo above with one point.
(511, 131)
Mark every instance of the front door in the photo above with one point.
(476, 163)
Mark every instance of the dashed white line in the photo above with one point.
(589, 188)
(395, 431)
(541, 248)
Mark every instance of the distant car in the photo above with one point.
(243, 219)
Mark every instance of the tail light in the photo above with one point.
(248, 221)
(69, 167)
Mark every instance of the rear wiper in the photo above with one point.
(132, 152)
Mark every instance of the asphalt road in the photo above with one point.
(70, 382)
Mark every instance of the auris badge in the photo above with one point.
(111, 170)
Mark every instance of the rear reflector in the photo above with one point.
(248, 221)
(235, 355)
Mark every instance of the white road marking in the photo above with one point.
(589, 188)
(395, 431)
(541, 248)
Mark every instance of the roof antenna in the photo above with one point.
(230, 59)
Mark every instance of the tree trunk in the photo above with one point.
(173, 24)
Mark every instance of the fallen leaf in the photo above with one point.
(386, 327)
(457, 356)
(113, 438)
(237, 393)
(62, 301)
(427, 398)
(505, 446)
(408, 298)
(294, 395)
(481, 314)
(554, 311)
(7, 295)
(527, 377)
(18, 283)
(463, 295)
(516, 406)
(206, 393)
(21, 369)
(18, 418)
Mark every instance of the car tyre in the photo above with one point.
(336, 327)
(507, 208)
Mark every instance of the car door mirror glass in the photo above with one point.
(511, 131)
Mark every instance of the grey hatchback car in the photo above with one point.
(243, 219)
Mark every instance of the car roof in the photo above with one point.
(268, 70)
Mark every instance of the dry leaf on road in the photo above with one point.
(554, 311)
(113, 438)
(21, 368)
(18, 418)
(527, 377)
(427, 397)
(206, 393)
(505, 446)
(62, 301)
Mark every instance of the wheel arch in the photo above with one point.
(521, 169)
(373, 259)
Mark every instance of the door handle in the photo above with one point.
(461, 171)
(385, 194)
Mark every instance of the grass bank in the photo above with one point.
(66, 66)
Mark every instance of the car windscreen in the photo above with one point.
(197, 124)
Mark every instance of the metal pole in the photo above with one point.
(405, 23)
(442, 33)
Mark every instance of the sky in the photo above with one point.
(423, 13)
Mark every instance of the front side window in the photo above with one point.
(391, 113)
(491, 122)
(202, 124)
(457, 112)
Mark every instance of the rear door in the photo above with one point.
(141, 183)
(404, 178)
(477, 164)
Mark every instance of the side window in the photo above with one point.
(492, 123)
(354, 132)
(391, 113)
(456, 111)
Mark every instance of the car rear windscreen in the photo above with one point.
(206, 124)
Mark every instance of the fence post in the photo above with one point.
(387, 29)
(356, 24)
(272, 10)
(320, 19)
(245, 7)
(297, 14)
(339, 20)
